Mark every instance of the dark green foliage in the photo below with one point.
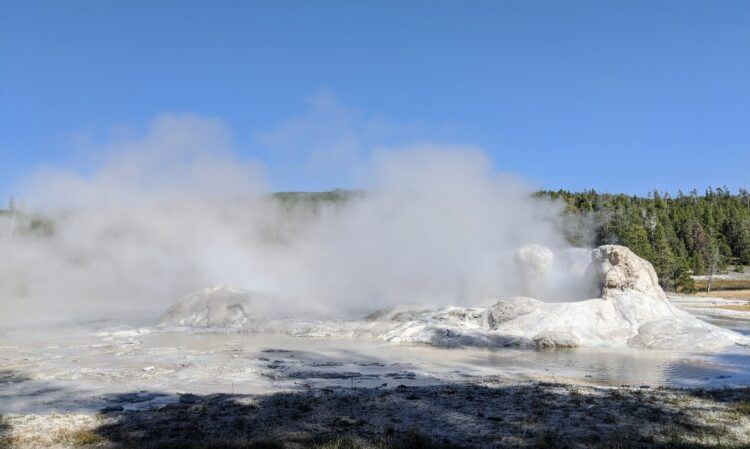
(680, 236)
(317, 198)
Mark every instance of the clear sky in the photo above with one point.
(613, 95)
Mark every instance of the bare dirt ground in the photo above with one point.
(487, 415)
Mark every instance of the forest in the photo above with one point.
(686, 235)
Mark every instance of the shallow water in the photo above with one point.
(81, 368)
(741, 326)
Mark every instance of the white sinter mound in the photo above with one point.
(217, 307)
(632, 311)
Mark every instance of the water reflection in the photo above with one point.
(603, 366)
(128, 359)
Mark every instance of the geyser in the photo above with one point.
(217, 307)
(632, 311)
(177, 210)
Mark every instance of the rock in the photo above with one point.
(217, 307)
(189, 398)
(506, 310)
(112, 408)
(631, 311)
(619, 269)
(346, 421)
(398, 314)
(673, 333)
(556, 340)
(132, 397)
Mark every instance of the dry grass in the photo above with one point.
(723, 284)
(78, 438)
(505, 416)
(5, 440)
(413, 440)
(739, 307)
(727, 294)
(742, 407)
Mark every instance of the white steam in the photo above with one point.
(177, 210)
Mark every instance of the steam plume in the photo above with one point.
(177, 210)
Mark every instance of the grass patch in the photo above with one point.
(741, 407)
(409, 440)
(210, 444)
(723, 284)
(5, 439)
(726, 294)
(81, 437)
(737, 307)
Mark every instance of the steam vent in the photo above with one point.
(631, 311)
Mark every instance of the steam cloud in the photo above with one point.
(177, 210)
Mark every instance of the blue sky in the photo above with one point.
(612, 95)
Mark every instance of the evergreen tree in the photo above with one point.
(680, 236)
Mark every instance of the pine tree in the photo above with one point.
(682, 235)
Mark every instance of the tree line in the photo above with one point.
(682, 235)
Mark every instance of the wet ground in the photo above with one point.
(110, 386)
(83, 368)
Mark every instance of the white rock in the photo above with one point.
(621, 270)
(556, 340)
(217, 307)
(681, 334)
(510, 309)
(633, 311)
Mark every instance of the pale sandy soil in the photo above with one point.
(738, 308)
